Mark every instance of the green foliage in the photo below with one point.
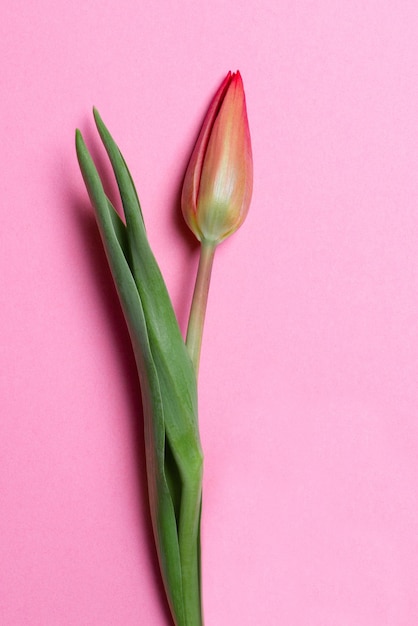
(168, 383)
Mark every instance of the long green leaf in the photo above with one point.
(158, 309)
(176, 375)
(162, 508)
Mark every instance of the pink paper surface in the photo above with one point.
(308, 382)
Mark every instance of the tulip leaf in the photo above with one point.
(160, 316)
(162, 509)
(168, 384)
(173, 363)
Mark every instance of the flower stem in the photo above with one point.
(199, 302)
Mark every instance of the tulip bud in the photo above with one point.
(218, 183)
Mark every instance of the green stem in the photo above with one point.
(199, 302)
(189, 545)
(189, 525)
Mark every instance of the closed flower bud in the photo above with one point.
(218, 183)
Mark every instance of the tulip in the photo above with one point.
(216, 196)
(217, 190)
(218, 183)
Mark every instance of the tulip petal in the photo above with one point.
(217, 187)
(193, 173)
(226, 178)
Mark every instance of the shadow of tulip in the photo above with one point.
(188, 240)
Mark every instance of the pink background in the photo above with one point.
(308, 387)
